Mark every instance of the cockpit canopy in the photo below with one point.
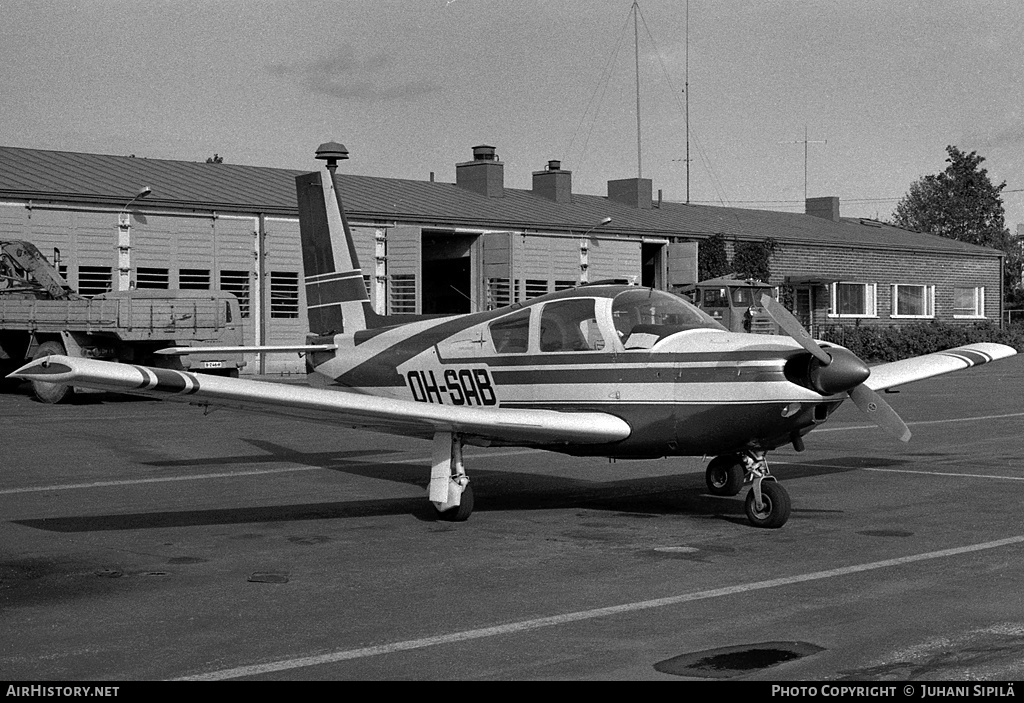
(639, 317)
(644, 315)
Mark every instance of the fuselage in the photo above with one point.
(684, 384)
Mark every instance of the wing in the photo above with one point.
(405, 417)
(198, 349)
(897, 373)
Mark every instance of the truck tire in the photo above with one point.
(51, 392)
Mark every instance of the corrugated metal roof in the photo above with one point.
(62, 176)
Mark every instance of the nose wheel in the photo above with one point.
(767, 504)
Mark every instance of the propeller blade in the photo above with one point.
(791, 326)
(880, 412)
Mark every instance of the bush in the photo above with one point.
(890, 343)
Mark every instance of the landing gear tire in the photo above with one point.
(462, 511)
(51, 392)
(724, 475)
(775, 506)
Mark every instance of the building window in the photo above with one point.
(535, 288)
(284, 294)
(402, 296)
(152, 278)
(194, 279)
(237, 283)
(913, 301)
(853, 300)
(969, 302)
(94, 280)
(499, 293)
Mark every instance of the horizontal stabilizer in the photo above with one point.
(481, 425)
(282, 348)
(897, 373)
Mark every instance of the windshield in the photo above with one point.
(644, 315)
(745, 297)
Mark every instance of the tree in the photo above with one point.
(215, 159)
(962, 203)
(752, 260)
(712, 259)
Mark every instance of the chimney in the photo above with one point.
(484, 174)
(826, 208)
(634, 192)
(553, 183)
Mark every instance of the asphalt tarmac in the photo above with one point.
(147, 541)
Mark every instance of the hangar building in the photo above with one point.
(433, 247)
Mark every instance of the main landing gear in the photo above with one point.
(767, 503)
(449, 489)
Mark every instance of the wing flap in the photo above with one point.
(897, 373)
(499, 425)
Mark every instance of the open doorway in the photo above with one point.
(447, 273)
(652, 265)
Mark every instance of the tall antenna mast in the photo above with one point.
(636, 52)
(686, 92)
(805, 141)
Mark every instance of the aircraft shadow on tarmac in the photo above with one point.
(682, 495)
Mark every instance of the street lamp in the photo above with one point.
(141, 194)
(124, 241)
(585, 251)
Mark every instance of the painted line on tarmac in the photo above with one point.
(583, 615)
(155, 479)
(922, 422)
(943, 473)
(896, 471)
(222, 474)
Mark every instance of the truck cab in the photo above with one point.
(735, 303)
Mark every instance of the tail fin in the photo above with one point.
(336, 298)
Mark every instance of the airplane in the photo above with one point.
(601, 370)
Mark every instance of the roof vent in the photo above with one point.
(484, 153)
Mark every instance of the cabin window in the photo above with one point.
(511, 334)
(570, 325)
(716, 298)
(969, 302)
(745, 297)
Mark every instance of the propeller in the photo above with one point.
(838, 371)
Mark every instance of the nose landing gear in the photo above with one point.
(767, 504)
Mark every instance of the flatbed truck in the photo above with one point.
(40, 315)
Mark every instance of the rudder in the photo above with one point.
(336, 298)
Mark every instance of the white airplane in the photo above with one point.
(599, 370)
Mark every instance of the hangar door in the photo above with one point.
(614, 258)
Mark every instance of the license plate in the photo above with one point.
(213, 364)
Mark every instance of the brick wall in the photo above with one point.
(885, 268)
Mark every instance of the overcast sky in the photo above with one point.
(410, 86)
